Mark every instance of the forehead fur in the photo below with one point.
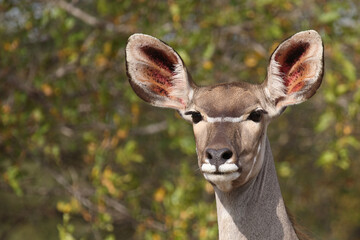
(226, 100)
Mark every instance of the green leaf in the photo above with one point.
(327, 158)
(329, 17)
(13, 176)
(209, 51)
(326, 119)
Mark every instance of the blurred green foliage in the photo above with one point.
(81, 157)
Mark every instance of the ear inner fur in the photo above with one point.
(160, 58)
(292, 69)
(157, 73)
(155, 77)
(295, 71)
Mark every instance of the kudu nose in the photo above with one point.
(218, 156)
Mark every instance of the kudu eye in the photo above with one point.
(196, 116)
(256, 115)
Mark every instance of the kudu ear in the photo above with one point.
(157, 74)
(295, 71)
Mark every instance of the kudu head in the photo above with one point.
(230, 119)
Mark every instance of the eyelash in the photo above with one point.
(196, 116)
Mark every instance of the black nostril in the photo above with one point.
(227, 155)
(218, 156)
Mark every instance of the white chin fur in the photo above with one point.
(222, 181)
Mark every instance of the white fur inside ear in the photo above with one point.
(294, 72)
(158, 73)
(275, 86)
(181, 88)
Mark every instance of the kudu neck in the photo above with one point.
(256, 210)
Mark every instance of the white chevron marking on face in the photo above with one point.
(225, 119)
(255, 159)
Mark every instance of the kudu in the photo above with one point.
(230, 122)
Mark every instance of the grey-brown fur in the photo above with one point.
(230, 122)
(229, 99)
(256, 210)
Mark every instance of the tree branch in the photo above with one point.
(91, 20)
(150, 129)
(120, 213)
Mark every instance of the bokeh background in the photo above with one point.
(81, 157)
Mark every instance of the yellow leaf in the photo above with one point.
(75, 205)
(208, 65)
(114, 141)
(101, 61)
(11, 46)
(338, 128)
(184, 215)
(135, 111)
(101, 206)
(347, 130)
(251, 60)
(288, 6)
(107, 48)
(175, 12)
(203, 233)
(156, 236)
(80, 74)
(122, 134)
(28, 25)
(47, 89)
(91, 148)
(107, 182)
(88, 159)
(169, 221)
(107, 172)
(6, 177)
(86, 215)
(159, 194)
(63, 207)
(6, 108)
(285, 170)
(63, 53)
(95, 172)
(109, 186)
(176, 18)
